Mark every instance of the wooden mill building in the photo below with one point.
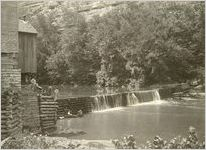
(18, 59)
(27, 60)
(10, 72)
(18, 47)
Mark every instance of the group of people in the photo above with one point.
(36, 87)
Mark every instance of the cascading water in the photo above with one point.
(103, 102)
(100, 103)
(147, 96)
(156, 96)
(132, 99)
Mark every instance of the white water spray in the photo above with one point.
(105, 102)
(132, 99)
(157, 96)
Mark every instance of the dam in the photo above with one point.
(105, 101)
(143, 114)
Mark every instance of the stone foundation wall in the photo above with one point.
(9, 45)
(47, 113)
(86, 104)
(74, 105)
(9, 27)
(11, 121)
(30, 112)
(10, 77)
(39, 112)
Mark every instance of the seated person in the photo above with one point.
(35, 86)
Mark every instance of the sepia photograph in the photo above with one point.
(102, 74)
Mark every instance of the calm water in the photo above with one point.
(144, 121)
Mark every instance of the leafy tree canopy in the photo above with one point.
(138, 42)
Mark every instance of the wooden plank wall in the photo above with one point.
(27, 52)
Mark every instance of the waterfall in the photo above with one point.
(156, 96)
(103, 102)
(132, 99)
(146, 96)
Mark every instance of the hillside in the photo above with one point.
(87, 8)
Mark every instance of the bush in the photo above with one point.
(28, 142)
(190, 142)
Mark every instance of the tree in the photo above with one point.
(77, 62)
(138, 42)
(155, 40)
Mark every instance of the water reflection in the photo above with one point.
(143, 120)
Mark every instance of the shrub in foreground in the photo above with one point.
(128, 142)
(189, 142)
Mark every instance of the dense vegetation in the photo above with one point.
(140, 43)
(30, 141)
(189, 142)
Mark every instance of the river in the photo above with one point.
(145, 120)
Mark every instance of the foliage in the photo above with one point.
(72, 145)
(141, 43)
(128, 142)
(31, 141)
(152, 39)
(77, 59)
(28, 142)
(190, 142)
(47, 25)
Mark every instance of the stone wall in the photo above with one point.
(9, 45)
(74, 104)
(89, 103)
(30, 112)
(10, 76)
(10, 113)
(100, 102)
(47, 113)
(9, 26)
(39, 112)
